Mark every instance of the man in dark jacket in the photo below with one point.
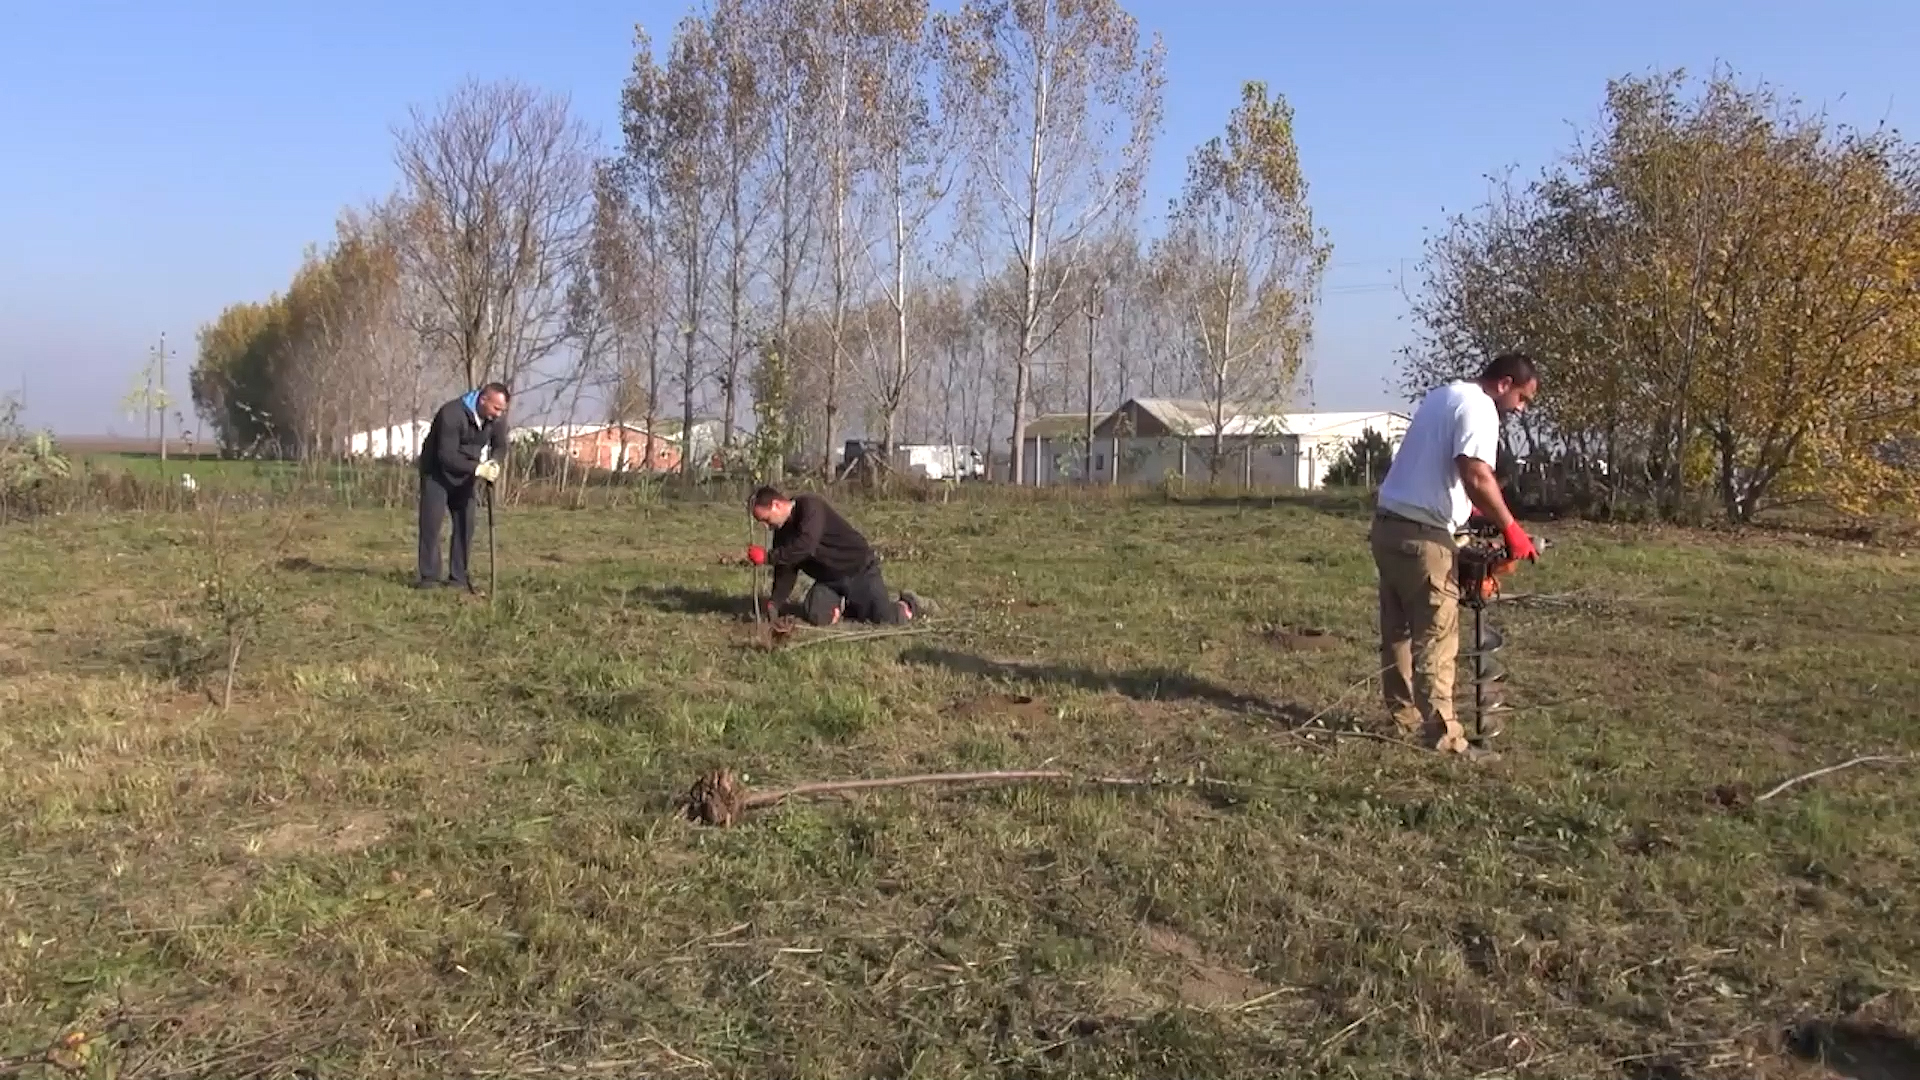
(810, 535)
(465, 447)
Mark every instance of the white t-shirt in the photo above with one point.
(1423, 482)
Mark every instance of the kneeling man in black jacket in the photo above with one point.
(810, 535)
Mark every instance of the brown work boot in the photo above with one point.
(1446, 737)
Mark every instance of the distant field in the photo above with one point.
(88, 445)
(435, 838)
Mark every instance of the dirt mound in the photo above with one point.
(1203, 983)
(1303, 638)
(1018, 706)
(767, 635)
(356, 832)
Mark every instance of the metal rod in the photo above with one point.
(1479, 670)
(753, 572)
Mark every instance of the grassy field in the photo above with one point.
(435, 837)
(209, 471)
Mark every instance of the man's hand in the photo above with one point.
(757, 555)
(488, 471)
(1519, 544)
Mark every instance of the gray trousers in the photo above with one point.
(438, 501)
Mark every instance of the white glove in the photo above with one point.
(488, 471)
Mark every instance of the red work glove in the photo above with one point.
(757, 555)
(1519, 544)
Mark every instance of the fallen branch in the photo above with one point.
(1871, 759)
(1344, 695)
(720, 798)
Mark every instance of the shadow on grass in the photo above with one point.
(681, 600)
(1149, 684)
(1856, 1050)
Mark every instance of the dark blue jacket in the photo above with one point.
(452, 448)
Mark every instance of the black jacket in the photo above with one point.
(818, 540)
(452, 447)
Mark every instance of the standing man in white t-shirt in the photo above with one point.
(1443, 470)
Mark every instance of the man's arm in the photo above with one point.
(783, 579)
(1484, 489)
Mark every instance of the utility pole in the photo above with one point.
(1093, 315)
(161, 402)
(146, 399)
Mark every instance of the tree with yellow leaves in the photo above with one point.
(1243, 262)
(1723, 291)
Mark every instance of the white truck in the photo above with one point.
(939, 461)
(928, 461)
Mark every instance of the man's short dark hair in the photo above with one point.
(497, 388)
(1514, 365)
(767, 496)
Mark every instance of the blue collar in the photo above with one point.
(471, 399)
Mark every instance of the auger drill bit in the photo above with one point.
(1480, 563)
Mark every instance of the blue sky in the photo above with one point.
(161, 160)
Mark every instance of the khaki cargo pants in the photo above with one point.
(1419, 627)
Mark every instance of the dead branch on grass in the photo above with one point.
(721, 798)
(1871, 759)
(1344, 695)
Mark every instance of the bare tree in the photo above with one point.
(630, 271)
(346, 339)
(1058, 106)
(743, 129)
(599, 305)
(499, 185)
(789, 181)
(836, 74)
(402, 373)
(911, 156)
(672, 126)
(1245, 261)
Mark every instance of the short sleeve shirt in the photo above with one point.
(1455, 420)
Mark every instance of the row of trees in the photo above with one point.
(1726, 294)
(835, 216)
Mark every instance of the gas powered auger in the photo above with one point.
(1482, 561)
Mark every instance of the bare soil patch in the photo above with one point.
(1021, 707)
(1304, 638)
(1204, 983)
(346, 835)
